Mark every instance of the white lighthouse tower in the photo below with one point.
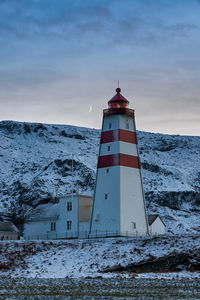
(119, 203)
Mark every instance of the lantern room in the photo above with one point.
(118, 101)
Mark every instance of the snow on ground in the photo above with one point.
(89, 258)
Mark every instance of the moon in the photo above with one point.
(90, 109)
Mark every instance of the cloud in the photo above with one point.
(100, 23)
(28, 19)
(52, 51)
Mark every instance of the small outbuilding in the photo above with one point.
(156, 225)
(8, 231)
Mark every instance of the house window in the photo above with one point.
(109, 125)
(127, 125)
(109, 148)
(53, 226)
(69, 206)
(107, 171)
(69, 225)
(105, 196)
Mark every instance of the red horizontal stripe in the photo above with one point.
(127, 136)
(119, 159)
(109, 136)
(118, 135)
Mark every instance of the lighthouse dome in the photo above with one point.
(118, 101)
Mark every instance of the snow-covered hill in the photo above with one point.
(36, 165)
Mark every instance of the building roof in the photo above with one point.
(118, 97)
(45, 212)
(152, 218)
(8, 226)
(74, 196)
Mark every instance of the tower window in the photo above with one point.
(109, 125)
(69, 225)
(109, 148)
(105, 196)
(134, 225)
(53, 226)
(127, 125)
(107, 171)
(69, 206)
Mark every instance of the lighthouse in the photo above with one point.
(119, 204)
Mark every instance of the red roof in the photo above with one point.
(118, 97)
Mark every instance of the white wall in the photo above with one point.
(124, 119)
(116, 147)
(106, 212)
(132, 203)
(68, 215)
(84, 228)
(118, 121)
(37, 229)
(114, 120)
(157, 227)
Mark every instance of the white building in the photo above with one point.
(119, 204)
(156, 225)
(68, 218)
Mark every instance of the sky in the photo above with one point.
(60, 61)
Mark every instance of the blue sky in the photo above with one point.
(59, 57)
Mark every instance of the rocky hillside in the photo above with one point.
(40, 161)
(102, 257)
